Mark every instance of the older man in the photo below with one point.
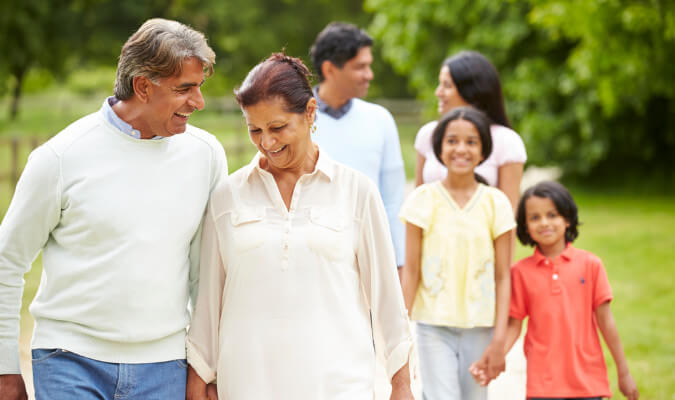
(115, 202)
(354, 132)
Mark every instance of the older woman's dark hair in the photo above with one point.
(564, 204)
(338, 43)
(279, 76)
(479, 120)
(477, 81)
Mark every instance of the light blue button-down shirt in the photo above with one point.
(364, 137)
(117, 122)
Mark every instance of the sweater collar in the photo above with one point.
(111, 116)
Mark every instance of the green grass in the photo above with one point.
(634, 236)
(635, 239)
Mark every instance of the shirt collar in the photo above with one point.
(566, 255)
(324, 165)
(336, 113)
(112, 117)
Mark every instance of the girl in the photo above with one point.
(565, 293)
(456, 277)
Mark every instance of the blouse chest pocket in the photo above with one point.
(329, 234)
(248, 228)
(327, 218)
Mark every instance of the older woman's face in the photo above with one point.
(447, 93)
(282, 137)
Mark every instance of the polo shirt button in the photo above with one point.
(555, 277)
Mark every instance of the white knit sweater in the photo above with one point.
(118, 220)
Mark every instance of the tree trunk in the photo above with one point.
(16, 93)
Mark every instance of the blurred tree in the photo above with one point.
(34, 33)
(588, 84)
(244, 32)
(63, 35)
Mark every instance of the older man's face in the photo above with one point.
(355, 75)
(173, 99)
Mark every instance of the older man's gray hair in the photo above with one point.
(157, 50)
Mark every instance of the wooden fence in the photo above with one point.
(10, 168)
(14, 151)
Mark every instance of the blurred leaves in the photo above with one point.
(588, 84)
(67, 35)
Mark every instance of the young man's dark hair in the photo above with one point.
(338, 43)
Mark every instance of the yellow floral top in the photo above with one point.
(457, 287)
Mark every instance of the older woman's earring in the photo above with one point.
(313, 128)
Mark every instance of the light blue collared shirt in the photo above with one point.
(118, 123)
(336, 113)
(365, 138)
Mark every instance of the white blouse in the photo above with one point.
(286, 295)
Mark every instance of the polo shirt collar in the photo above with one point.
(566, 255)
(324, 165)
(336, 113)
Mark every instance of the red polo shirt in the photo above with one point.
(562, 347)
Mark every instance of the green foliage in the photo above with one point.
(68, 35)
(588, 84)
(244, 32)
(34, 34)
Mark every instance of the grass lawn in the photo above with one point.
(634, 235)
(635, 239)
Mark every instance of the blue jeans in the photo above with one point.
(565, 398)
(59, 374)
(445, 354)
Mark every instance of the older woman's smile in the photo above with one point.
(276, 152)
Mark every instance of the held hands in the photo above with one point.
(490, 365)
(400, 385)
(628, 387)
(197, 389)
(12, 387)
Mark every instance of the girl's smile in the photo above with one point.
(461, 151)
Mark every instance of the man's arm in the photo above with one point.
(33, 213)
(219, 168)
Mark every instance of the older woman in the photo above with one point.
(468, 78)
(296, 255)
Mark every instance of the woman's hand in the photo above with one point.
(400, 385)
(479, 373)
(12, 387)
(197, 389)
